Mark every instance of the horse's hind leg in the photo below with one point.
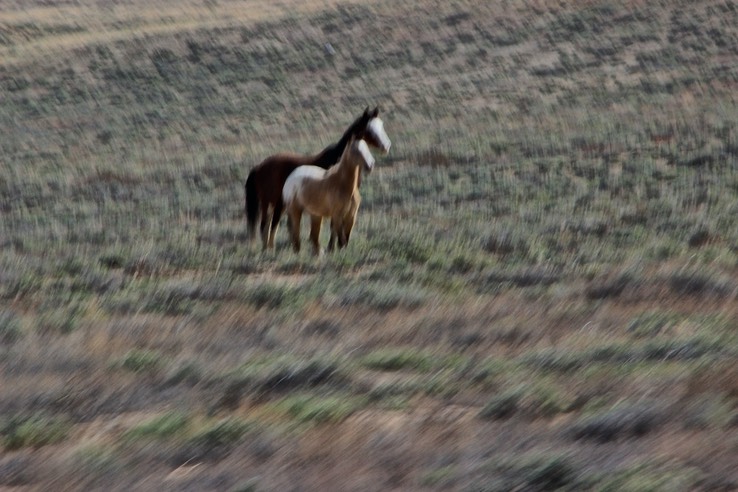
(276, 216)
(295, 216)
(315, 222)
(264, 226)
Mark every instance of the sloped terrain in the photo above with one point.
(541, 291)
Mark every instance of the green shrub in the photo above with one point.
(221, 433)
(96, 460)
(399, 359)
(532, 471)
(648, 325)
(251, 485)
(650, 477)
(188, 373)
(59, 321)
(271, 375)
(35, 431)
(383, 296)
(273, 296)
(160, 427)
(21, 285)
(440, 477)
(10, 327)
(622, 421)
(141, 361)
(503, 405)
(306, 408)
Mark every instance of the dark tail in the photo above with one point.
(252, 204)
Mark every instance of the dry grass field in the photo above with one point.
(541, 292)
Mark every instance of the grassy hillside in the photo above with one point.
(541, 291)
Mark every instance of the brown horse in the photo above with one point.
(325, 193)
(265, 181)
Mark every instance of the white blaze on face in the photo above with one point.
(376, 127)
(366, 154)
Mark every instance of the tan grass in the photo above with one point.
(109, 25)
(479, 148)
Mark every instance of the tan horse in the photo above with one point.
(326, 193)
(341, 232)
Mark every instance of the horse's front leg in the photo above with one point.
(315, 222)
(348, 223)
(335, 231)
(345, 231)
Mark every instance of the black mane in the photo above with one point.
(332, 154)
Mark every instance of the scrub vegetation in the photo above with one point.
(541, 291)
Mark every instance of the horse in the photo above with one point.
(341, 232)
(325, 193)
(263, 188)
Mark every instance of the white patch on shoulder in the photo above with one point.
(366, 154)
(296, 178)
(376, 127)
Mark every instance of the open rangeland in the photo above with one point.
(540, 292)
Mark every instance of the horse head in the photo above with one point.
(370, 127)
(375, 134)
(357, 154)
(367, 159)
(378, 136)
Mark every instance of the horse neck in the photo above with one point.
(346, 173)
(332, 154)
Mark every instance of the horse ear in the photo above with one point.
(366, 111)
(375, 113)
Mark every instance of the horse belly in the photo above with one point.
(315, 204)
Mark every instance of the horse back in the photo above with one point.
(280, 165)
(270, 174)
(298, 178)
